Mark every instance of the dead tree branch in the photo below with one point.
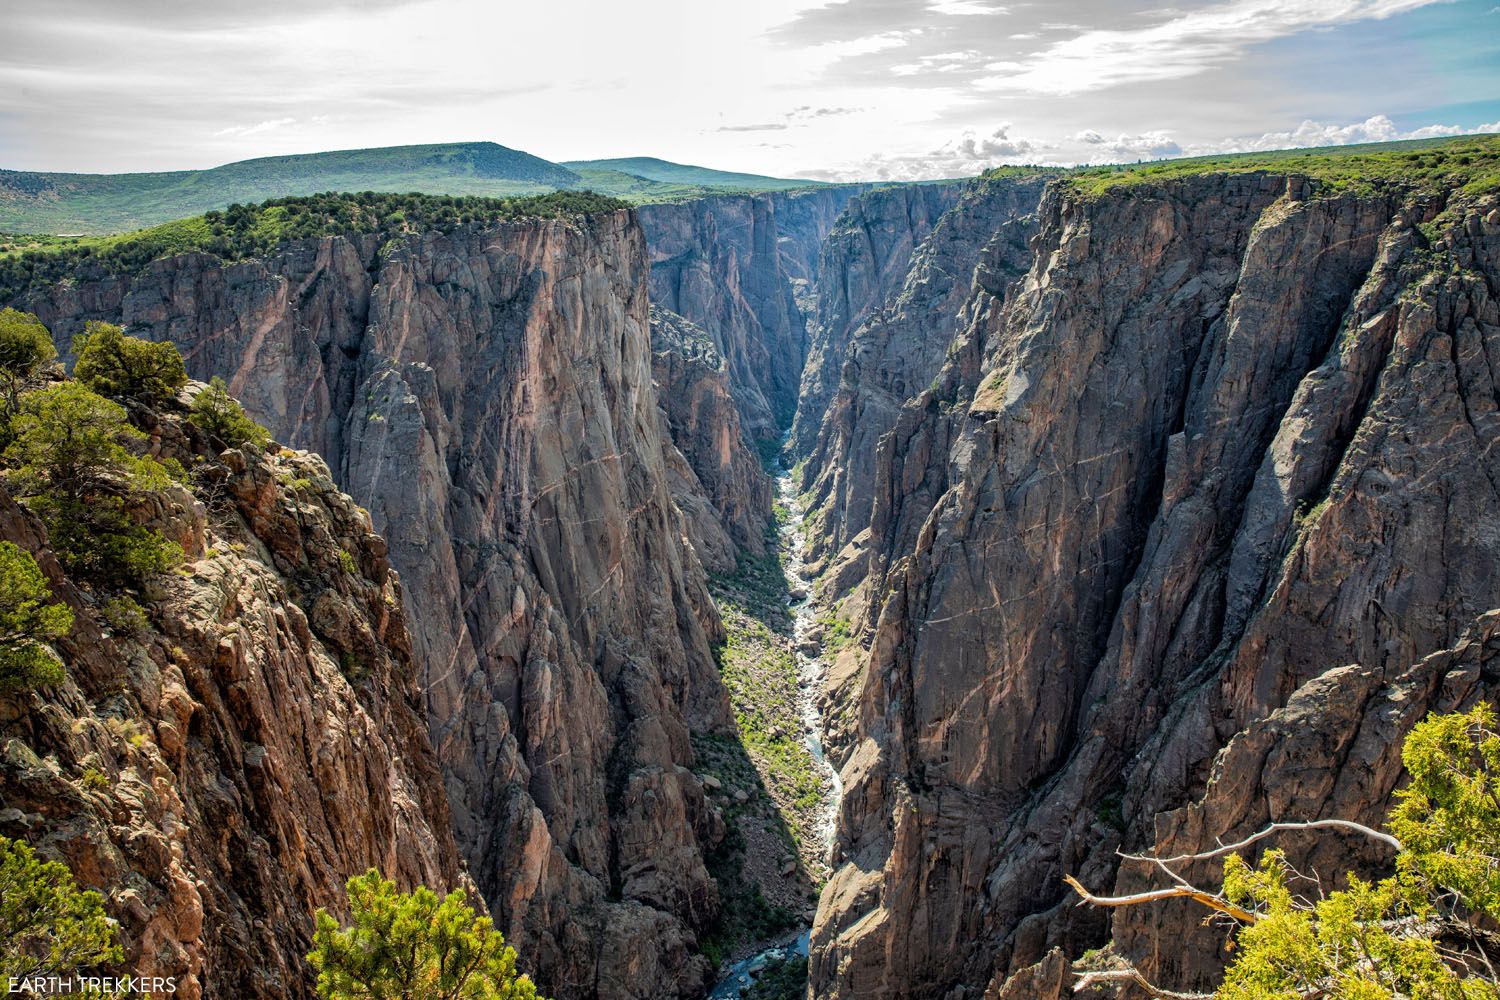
(1317, 824)
(1208, 899)
(1116, 976)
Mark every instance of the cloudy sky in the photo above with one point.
(852, 88)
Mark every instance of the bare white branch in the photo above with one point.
(1117, 976)
(1208, 899)
(1316, 824)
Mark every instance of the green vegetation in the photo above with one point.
(745, 915)
(125, 616)
(1420, 932)
(122, 367)
(48, 926)
(244, 231)
(784, 979)
(221, 415)
(837, 632)
(759, 668)
(97, 204)
(646, 180)
(1471, 163)
(29, 618)
(70, 462)
(650, 168)
(25, 347)
(413, 946)
(112, 203)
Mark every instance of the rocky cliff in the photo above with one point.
(1158, 506)
(219, 767)
(899, 273)
(1215, 471)
(865, 258)
(736, 266)
(488, 395)
(717, 482)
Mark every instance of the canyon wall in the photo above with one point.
(863, 261)
(741, 268)
(488, 396)
(220, 767)
(719, 484)
(899, 273)
(1214, 472)
(1155, 512)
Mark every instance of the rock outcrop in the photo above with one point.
(865, 259)
(888, 331)
(1230, 435)
(220, 767)
(488, 395)
(718, 483)
(736, 266)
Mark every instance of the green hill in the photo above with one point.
(1469, 161)
(649, 168)
(110, 203)
(99, 204)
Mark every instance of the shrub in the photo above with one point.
(414, 946)
(69, 464)
(48, 926)
(125, 616)
(221, 415)
(25, 346)
(28, 619)
(124, 367)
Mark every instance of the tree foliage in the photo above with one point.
(219, 413)
(28, 620)
(413, 946)
(48, 926)
(69, 462)
(1448, 818)
(1426, 931)
(240, 232)
(25, 346)
(121, 367)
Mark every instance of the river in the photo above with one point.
(812, 670)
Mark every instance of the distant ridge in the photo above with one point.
(32, 202)
(667, 172)
(101, 204)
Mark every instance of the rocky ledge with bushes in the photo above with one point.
(210, 713)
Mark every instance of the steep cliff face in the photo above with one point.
(219, 770)
(732, 266)
(487, 394)
(1230, 435)
(888, 329)
(863, 261)
(717, 482)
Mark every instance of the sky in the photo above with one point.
(852, 89)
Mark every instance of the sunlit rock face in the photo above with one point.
(1215, 471)
(488, 396)
(220, 768)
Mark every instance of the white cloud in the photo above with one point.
(1184, 45)
(966, 8)
(1153, 145)
(1377, 128)
(270, 125)
(968, 154)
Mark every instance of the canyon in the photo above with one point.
(1138, 512)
